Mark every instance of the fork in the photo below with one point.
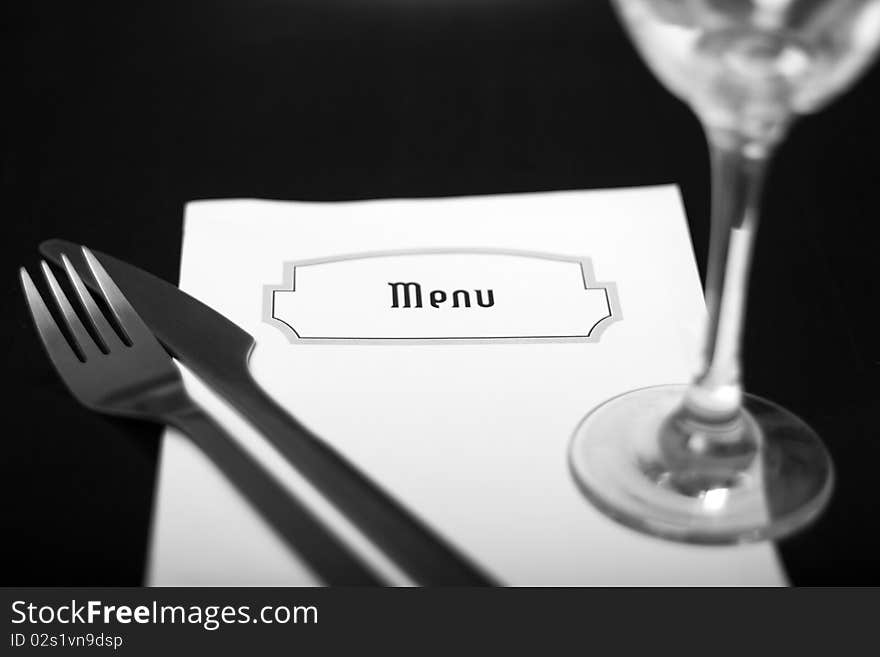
(131, 375)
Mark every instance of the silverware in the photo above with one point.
(129, 374)
(181, 323)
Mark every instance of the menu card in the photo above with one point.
(448, 348)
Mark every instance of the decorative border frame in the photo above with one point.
(288, 284)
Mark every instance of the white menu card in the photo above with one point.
(448, 348)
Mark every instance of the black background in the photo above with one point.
(115, 114)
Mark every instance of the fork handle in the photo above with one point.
(330, 558)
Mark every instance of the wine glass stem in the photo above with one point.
(738, 167)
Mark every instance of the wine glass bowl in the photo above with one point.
(705, 462)
(748, 66)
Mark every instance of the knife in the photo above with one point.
(181, 323)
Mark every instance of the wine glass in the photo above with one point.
(706, 463)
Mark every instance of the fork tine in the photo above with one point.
(99, 322)
(59, 351)
(125, 314)
(87, 346)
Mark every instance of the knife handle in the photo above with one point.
(414, 547)
(326, 554)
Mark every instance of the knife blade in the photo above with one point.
(181, 323)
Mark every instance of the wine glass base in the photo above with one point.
(615, 459)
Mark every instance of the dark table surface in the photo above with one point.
(116, 115)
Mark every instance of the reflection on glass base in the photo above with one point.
(616, 460)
